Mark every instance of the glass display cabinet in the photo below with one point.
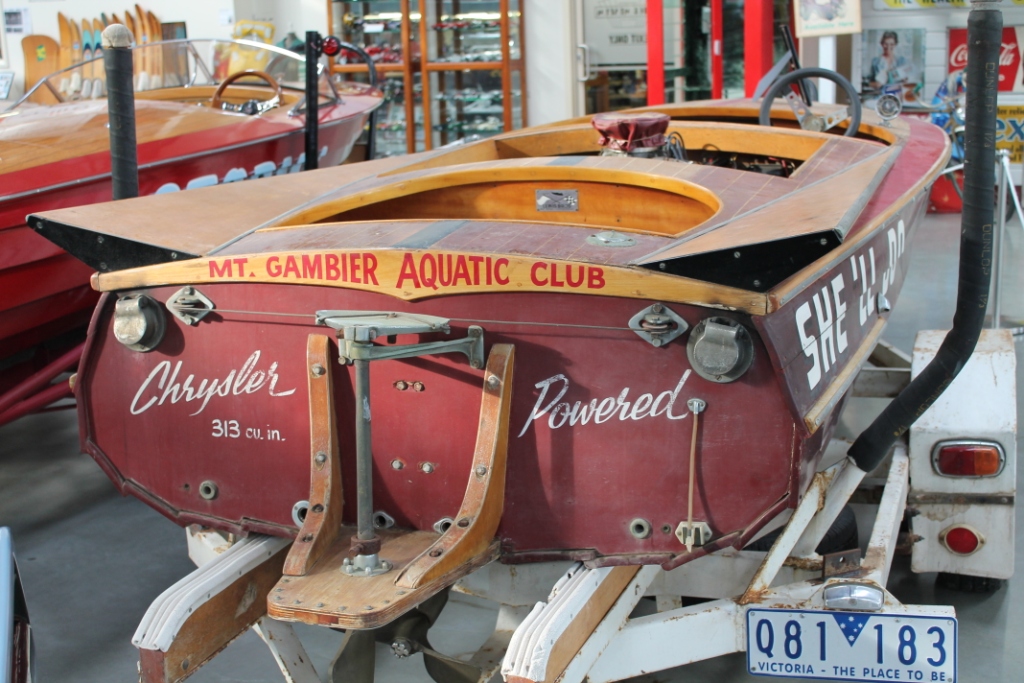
(451, 69)
(474, 68)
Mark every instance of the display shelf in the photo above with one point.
(437, 49)
(472, 45)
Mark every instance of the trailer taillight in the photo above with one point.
(968, 458)
(962, 539)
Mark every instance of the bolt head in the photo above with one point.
(321, 458)
(318, 370)
(480, 470)
(397, 464)
(401, 648)
(427, 467)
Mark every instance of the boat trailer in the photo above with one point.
(563, 621)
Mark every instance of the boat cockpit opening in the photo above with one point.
(778, 152)
(589, 197)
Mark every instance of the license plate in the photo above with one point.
(851, 646)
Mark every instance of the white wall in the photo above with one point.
(550, 60)
(202, 18)
(286, 15)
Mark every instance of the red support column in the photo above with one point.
(717, 70)
(758, 33)
(655, 52)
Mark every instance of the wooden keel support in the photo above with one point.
(323, 519)
(315, 590)
(473, 532)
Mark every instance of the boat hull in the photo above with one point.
(599, 433)
(49, 301)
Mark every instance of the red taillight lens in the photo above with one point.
(968, 459)
(962, 540)
(331, 46)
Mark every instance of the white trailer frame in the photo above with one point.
(562, 621)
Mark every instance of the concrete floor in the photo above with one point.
(93, 561)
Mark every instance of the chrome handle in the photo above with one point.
(585, 50)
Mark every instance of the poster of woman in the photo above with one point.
(893, 62)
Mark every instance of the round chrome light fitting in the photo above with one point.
(888, 107)
(720, 349)
(139, 322)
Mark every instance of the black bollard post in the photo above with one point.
(312, 99)
(124, 161)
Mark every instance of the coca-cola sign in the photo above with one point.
(1010, 76)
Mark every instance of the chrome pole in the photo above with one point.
(1002, 157)
(364, 457)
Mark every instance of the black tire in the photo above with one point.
(842, 535)
(783, 82)
(962, 583)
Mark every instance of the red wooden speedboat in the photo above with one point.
(625, 349)
(57, 155)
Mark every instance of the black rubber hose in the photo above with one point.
(984, 37)
(124, 161)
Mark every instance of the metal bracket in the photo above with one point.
(658, 324)
(187, 304)
(835, 118)
(840, 563)
(809, 121)
(695, 534)
(359, 328)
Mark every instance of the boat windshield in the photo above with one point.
(179, 64)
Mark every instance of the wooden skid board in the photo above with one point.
(328, 597)
(212, 626)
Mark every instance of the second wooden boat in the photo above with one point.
(200, 133)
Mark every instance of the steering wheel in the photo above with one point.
(216, 102)
(807, 120)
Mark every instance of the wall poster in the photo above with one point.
(894, 61)
(1011, 78)
(826, 17)
(933, 4)
(1010, 131)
